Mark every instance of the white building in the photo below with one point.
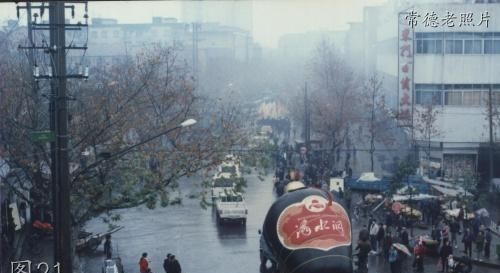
(455, 64)
(109, 40)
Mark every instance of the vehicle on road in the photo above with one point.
(230, 206)
(221, 185)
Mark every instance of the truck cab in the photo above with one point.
(230, 206)
(222, 184)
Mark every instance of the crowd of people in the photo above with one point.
(448, 232)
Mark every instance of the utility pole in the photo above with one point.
(490, 114)
(58, 108)
(63, 212)
(307, 121)
(195, 32)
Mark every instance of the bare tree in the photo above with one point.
(121, 105)
(426, 128)
(334, 97)
(380, 126)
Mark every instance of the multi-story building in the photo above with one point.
(454, 58)
(199, 43)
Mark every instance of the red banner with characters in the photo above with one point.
(405, 70)
(314, 223)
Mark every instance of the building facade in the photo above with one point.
(454, 57)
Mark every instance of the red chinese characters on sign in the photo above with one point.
(314, 223)
(405, 48)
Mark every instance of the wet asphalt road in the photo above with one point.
(189, 232)
(201, 246)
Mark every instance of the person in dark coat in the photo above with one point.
(364, 235)
(405, 240)
(107, 247)
(467, 240)
(487, 244)
(175, 267)
(364, 248)
(381, 237)
(445, 251)
(166, 263)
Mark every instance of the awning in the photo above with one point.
(449, 191)
(416, 197)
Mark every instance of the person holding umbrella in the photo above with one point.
(395, 259)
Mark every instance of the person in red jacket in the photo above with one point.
(143, 263)
(419, 251)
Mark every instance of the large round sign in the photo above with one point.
(314, 223)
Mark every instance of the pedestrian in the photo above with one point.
(479, 244)
(445, 251)
(166, 263)
(175, 267)
(467, 240)
(454, 230)
(373, 236)
(387, 243)
(107, 247)
(144, 263)
(405, 240)
(364, 248)
(394, 260)
(364, 234)
(487, 244)
(381, 237)
(419, 252)
(445, 233)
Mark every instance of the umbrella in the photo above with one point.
(402, 248)
(483, 212)
(396, 207)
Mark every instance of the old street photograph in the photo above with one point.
(250, 136)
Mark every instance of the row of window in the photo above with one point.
(458, 43)
(456, 95)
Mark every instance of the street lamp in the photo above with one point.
(188, 122)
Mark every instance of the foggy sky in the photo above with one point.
(271, 18)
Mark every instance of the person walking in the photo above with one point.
(454, 230)
(394, 260)
(107, 247)
(405, 240)
(445, 251)
(364, 248)
(467, 240)
(175, 266)
(166, 263)
(445, 233)
(381, 237)
(144, 263)
(487, 244)
(419, 252)
(479, 244)
(374, 228)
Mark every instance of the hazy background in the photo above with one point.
(270, 19)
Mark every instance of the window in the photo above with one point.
(492, 46)
(104, 34)
(428, 97)
(472, 98)
(454, 46)
(116, 34)
(453, 98)
(93, 34)
(473, 46)
(458, 42)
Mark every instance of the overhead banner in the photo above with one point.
(406, 52)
